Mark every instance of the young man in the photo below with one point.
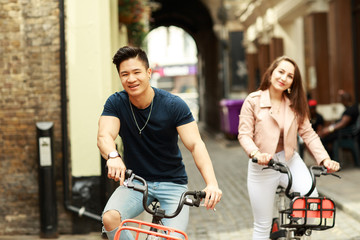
(149, 121)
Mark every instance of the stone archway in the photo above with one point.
(194, 18)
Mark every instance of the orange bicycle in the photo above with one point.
(155, 230)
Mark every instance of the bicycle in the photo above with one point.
(300, 215)
(156, 230)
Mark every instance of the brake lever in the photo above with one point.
(335, 175)
(269, 167)
(324, 172)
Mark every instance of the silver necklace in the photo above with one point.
(147, 120)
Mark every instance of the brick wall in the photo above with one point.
(29, 92)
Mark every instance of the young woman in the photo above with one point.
(270, 120)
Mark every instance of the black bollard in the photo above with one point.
(47, 187)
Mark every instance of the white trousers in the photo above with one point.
(262, 185)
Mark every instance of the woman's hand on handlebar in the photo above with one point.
(331, 165)
(116, 169)
(213, 196)
(263, 158)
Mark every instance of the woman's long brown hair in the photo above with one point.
(297, 96)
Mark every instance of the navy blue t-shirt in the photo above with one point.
(154, 154)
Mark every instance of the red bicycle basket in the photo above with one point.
(315, 213)
(137, 228)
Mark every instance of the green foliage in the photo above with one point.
(131, 14)
(136, 33)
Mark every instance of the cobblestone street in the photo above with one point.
(233, 218)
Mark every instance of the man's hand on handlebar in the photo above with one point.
(116, 169)
(213, 196)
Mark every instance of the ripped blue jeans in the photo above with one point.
(129, 204)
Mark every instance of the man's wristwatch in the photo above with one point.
(113, 154)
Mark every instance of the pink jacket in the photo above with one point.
(259, 130)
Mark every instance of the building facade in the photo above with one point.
(321, 35)
(55, 66)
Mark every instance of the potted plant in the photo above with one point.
(130, 11)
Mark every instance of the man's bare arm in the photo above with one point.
(190, 136)
(107, 132)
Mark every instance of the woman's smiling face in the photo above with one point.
(282, 77)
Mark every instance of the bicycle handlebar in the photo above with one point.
(315, 171)
(195, 201)
(278, 166)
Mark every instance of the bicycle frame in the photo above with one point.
(139, 227)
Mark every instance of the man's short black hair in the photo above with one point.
(128, 52)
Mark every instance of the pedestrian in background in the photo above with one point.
(149, 121)
(316, 119)
(270, 120)
(317, 123)
(329, 134)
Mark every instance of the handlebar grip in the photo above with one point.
(194, 201)
(270, 163)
